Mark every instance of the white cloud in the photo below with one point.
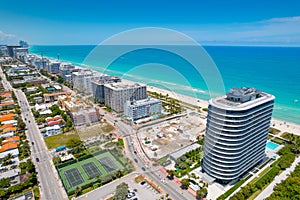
(6, 38)
(283, 19)
(280, 31)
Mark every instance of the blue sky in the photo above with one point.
(231, 22)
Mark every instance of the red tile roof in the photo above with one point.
(7, 117)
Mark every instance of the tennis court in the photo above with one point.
(74, 177)
(107, 164)
(87, 170)
(91, 169)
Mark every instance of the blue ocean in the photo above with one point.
(275, 70)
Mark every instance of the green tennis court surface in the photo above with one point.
(86, 171)
(73, 176)
(91, 169)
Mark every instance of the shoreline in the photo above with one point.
(283, 126)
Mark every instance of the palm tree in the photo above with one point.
(99, 180)
(119, 174)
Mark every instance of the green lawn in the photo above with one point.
(278, 140)
(95, 130)
(60, 139)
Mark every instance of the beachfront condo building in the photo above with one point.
(65, 70)
(138, 109)
(53, 67)
(82, 80)
(236, 133)
(117, 94)
(98, 87)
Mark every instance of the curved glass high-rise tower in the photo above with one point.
(236, 132)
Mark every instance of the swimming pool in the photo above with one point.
(271, 145)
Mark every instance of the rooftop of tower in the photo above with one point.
(241, 98)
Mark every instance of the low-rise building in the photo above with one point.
(6, 100)
(11, 140)
(57, 120)
(7, 105)
(7, 117)
(9, 144)
(70, 103)
(85, 116)
(10, 173)
(38, 99)
(6, 94)
(142, 108)
(9, 130)
(53, 97)
(31, 89)
(52, 130)
(13, 152)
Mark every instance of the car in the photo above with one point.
(143, 182)
(130, 194)
(143, 168)
(28, 121)
(37, 159)
(32, 143)
(134, 152)
(25, 119)
(135, 198)
(136, 160)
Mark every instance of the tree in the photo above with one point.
(121, 191)
(202, 193)
(69, 123)
(185, 183)
(99, 180)
(73, 142)
(2, 193)
(119, 174)
(171, 173)
(21, 124)
(78, 191)
(4, 182)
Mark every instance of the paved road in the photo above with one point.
(106, 190)
(268, 190)
(154, 173)
(49, 183)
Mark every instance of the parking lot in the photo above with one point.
(143, 191)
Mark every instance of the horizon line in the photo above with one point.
(217, 45)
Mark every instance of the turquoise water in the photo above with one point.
(275, 70)
(271, 145)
